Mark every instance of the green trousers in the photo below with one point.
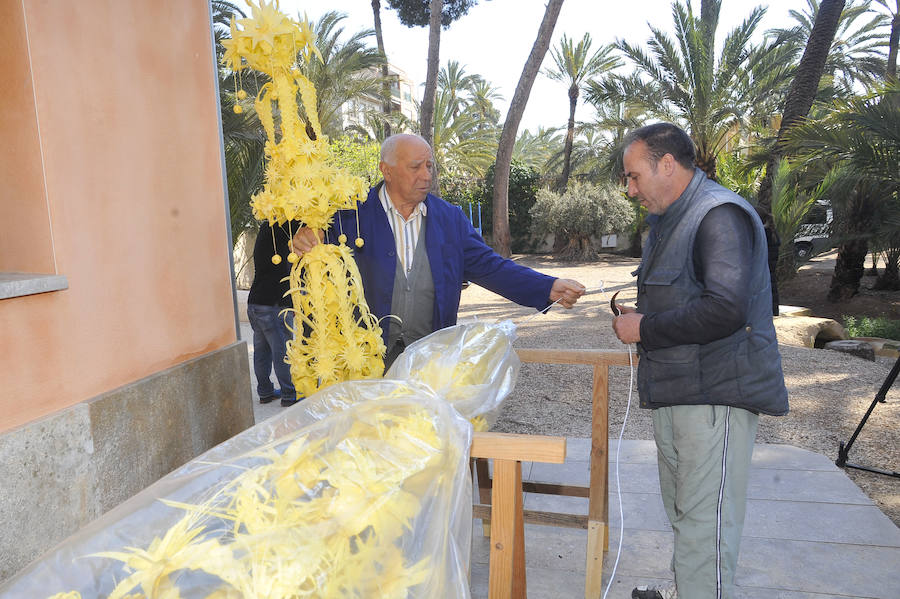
(704, 462)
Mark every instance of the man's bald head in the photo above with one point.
(407, 165)
(389, 146)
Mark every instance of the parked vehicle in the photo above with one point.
(814, 234)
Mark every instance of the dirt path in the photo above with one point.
(829, 391)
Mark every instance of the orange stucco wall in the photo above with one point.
(123, 159)
(22, 223)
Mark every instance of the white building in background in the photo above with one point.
(353, 113)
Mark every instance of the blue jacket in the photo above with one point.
(456, 253)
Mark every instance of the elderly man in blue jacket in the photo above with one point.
(419, 250)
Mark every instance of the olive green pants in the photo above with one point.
(704, 462)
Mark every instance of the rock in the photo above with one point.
(854, 347)
(883, 347)
(793, 311)
(806, 331)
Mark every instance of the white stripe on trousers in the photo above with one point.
(719, 506)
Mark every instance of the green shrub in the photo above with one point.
(583, 211)
(360, 158)
(866, 326)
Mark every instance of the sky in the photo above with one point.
(495, 38)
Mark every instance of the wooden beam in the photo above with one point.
(551, 489)
(523, 448)
(557, 519)
(575, 356)
(506, 526)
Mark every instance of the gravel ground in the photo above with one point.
(829, 391)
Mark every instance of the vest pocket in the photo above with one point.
(670, 375)
(662, 292)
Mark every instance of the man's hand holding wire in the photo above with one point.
(627, 326)
(566, 292)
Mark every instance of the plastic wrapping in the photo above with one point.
(360, 491)
(472, 365)
(371, 501)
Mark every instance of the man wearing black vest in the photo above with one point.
(709, 357)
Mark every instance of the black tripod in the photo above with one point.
(843, 450)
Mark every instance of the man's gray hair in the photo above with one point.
(389, 146)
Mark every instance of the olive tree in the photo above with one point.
(583, 211)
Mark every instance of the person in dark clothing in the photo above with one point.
(266, 312)
(709, 357)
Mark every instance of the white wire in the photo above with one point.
(544, 310)
(618, 448)
(612, 574)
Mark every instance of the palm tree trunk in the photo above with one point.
(500, 198)
(386, 85)
(848, 270)
(706, 162)
(796, 106)
(570, 139)
(426, 118)
(804, 86)
(890, 279)
(892, 47)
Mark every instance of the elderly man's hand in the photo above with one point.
(628, 326)
(566, 291)
(306, 239)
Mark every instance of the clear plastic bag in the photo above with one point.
(361, 490)
(472, 365)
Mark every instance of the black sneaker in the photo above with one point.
(270, 398)
(289, 402)
(663, 592)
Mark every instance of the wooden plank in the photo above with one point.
(551, 489)
(540, 518)
(503, 532)
(525, 448)
(598, 501)
(483, 477)
(519, 589)
(574, 356)
(593, 584)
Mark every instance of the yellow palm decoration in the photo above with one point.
(302, 183)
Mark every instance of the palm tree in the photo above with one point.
(346, 71)
(535, 149)
(387, 104)
(796, 106)
(859, 141)
(453, 80)
(500, 198)
(574, 65)
(614, 121)
(242, 135)
(681, 81)
(893, 38)
(481, 100)
(855, 54)
(459, 144)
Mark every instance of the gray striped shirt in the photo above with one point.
(406, 231)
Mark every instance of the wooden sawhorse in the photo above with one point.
(597, 519)
(506, 578)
